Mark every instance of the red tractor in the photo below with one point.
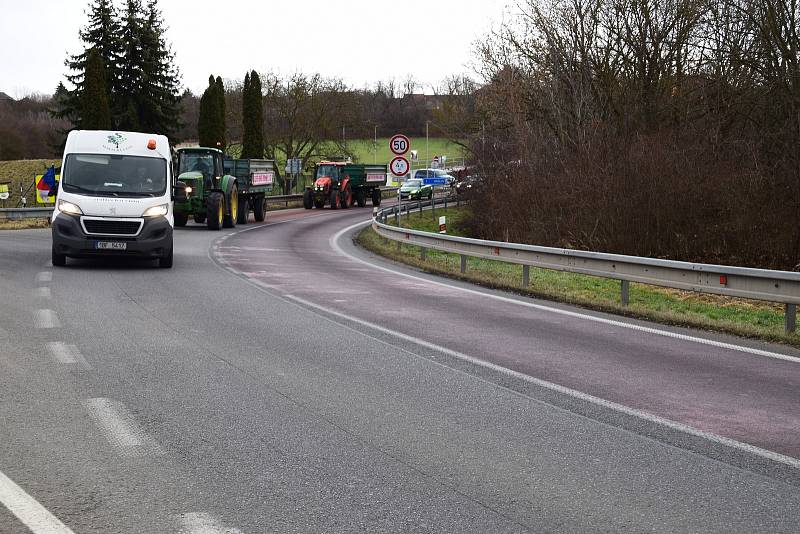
(342, 185)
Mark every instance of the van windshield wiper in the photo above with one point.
(84, 189)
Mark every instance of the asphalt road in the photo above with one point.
(276, 381)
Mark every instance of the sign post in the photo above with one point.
(399, 144)
(433, 182)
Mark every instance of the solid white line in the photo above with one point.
(45, 319)
(44, 276)
(752, 449)
(621, 324)
(67, 354)
(42, 292)
(203, 523)
(28, 510)
(120, 428)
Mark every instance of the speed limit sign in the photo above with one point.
(399, 144)
(399, 166)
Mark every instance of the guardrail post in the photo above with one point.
(791, 318)
(423, 254)
(463, 264)
(625, 293)
(526, 276)
(419, 204)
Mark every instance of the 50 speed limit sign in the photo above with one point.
(399, 166)
(399, 144)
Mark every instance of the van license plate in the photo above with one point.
(110, 245)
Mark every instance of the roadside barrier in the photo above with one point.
(757, 284)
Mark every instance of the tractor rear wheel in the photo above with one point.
(259, 208)
(232, 208)
(346, 198)
(308, 202)
(216, 210)
(243, 211)
(376, 197)
(200, 218)
(361, 198)
(181, 219)
(334, 199)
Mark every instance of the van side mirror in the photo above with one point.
(179, 192)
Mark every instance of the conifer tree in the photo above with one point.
(211, 123)
(252, 117)
(95, 107)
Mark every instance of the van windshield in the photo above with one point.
(114, 175)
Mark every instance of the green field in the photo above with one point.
(366, 151)
(742, 317)
(21, 173)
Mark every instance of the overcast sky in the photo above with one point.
(361, 41)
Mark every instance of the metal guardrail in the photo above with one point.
(13, 214)
(757, 284)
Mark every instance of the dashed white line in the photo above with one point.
(28, 510)
(631, 326)
(42, 292)
(67, 354)
(203, 523)
(120, 428)
(752, 449)
(45, 319)
(44, 276)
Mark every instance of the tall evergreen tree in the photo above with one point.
(95, 107)
(252, 117)
(131, 74)
(102, 34)
(211, 122)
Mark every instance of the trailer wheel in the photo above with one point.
(259, 208)
(215, 210)
(244, 210)
(200, 218)
(308, 202)
(181, 219)
(361, 198)
(232, 208)
(334, 199)
(376, 197)
(346, 198)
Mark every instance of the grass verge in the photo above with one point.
(741, 317)
(24, 224)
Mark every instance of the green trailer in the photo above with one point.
(222, 192)
(344, 185)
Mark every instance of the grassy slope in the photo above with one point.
(21, 172)
(732, 315)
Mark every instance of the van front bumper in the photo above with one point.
(153, 241)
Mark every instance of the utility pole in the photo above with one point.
(375, 146)
(427, 144)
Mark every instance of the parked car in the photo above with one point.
(414, 189)
(469, 184)
(421, 174)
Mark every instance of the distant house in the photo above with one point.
(4, 97)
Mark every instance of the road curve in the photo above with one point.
(273, 382)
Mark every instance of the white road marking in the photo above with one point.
(45, 319)
(42, 292)
(120, 428)
(44, 276)
(28, 510)
(67, 354)
(674, 425)
(648, 330)
(203, 523)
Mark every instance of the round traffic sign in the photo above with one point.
(399, 144)
(399, 166)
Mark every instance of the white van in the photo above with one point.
(115, 197)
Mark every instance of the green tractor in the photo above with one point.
(223, 191)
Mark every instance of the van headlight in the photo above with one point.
(156, 211)
(69, 208)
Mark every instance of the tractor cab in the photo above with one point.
(328, 173)
(205, 161)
